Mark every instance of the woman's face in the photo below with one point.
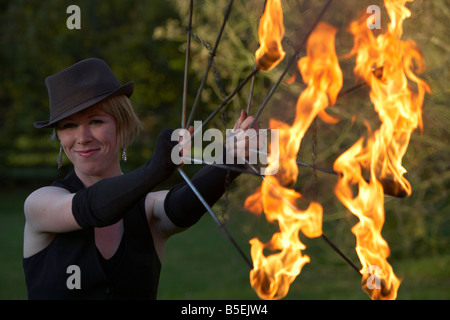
(89, 139)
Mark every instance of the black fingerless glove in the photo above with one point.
(181, 204)
(106, 202)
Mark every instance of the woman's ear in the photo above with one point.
(54, 135)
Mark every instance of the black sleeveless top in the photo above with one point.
(131, 273)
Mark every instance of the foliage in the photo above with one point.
(35, 43)
(415, 226)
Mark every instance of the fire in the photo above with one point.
(397, 96)
(272, 275)
(270, 32)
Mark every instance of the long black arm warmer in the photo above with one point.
(181, 204)
(107, 201)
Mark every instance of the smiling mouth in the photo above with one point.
(87, 153)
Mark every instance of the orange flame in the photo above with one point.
(272, 275)
(270, 32)
(399, 108)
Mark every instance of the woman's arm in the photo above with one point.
(47, 212)
(179, 208)
(54, 209)
(49, 209)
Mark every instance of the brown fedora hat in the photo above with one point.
(80, 86)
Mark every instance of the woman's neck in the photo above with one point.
(90, 178)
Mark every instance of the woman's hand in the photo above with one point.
(185, 141)
(243, 142)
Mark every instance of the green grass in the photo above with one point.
(202, 264)
(12, 281)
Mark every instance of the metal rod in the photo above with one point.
(252, 76)
(210, 61)
(351, 89)
(250, 95)
(240, 170)
(222, 105)
(343, 93)
(377, 72)
(304, 164)
(200, 89)
(186, 65)
(275, 86)
(208, 208)
(325, 170)
(291, 61)
(343, 256)
(230, 96)
(218, 165)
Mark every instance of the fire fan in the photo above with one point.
(367, 171)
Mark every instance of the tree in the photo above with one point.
(36, 42)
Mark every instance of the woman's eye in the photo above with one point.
(96, 121)
(68, 125)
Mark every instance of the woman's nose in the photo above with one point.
(84, 134)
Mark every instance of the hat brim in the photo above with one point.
(126, 89)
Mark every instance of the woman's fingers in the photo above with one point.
(241, 119)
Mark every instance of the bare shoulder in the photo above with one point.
(40, 194)
(49, 209)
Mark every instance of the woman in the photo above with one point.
(99, 233)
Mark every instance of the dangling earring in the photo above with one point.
(59, 161)
(124, 154)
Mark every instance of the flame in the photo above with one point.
(272, 275)
(399, 107)
(270, 32)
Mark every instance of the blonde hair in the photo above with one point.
(128, 124)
